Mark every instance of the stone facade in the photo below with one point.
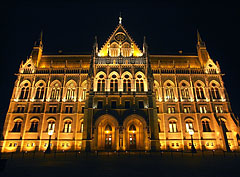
(119, 98)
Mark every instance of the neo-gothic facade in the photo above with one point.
(119, 98)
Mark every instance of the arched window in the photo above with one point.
(184, 89)
(169, 91)
(126, 50)
(34, 126)
(101, 83)
(223, 124)
(206, 125)
(55, 91)
(24, 91)
(139, 83)
(40, 88)
(172, 126)
(71, 91)
(84, 90)
(114, 50)
(156, 90)
(189, 125)
(51, 125)
(67, 127)
(81, 127)
(200, 91)
(17, 126)
(127, 83)
(215, 91)
(114, 83)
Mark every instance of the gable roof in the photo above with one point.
(119, 29)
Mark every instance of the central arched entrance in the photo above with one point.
(106, 133)
(135, 133)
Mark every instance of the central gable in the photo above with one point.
(120, 43)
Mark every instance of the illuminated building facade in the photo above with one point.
(119, 98)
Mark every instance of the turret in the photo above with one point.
(36, 53)
(202, 50)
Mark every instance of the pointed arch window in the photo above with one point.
(139, 83)
(55, 92)
(71, 92)
(169, 92)
(200, 91)
(127, 84)
(40, 91)
(51, 125)
(189, 126)
(101, 83)
(184, 91)
(24, 91)
(67, 127)
(172, 126)
(114, 83)
(34, 126)
(206, 126)
(215, 91)
(17, 126)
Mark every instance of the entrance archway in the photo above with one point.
(106, 133)
(135, 133)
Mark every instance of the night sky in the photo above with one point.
(70, 26)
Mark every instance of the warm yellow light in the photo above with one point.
(107, 131)
(191, 132)
(50, 132)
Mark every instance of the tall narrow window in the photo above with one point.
(127, 83)
(200, 91)
(203, 109)
(40, 91)
(34, 126)
(101, 83)
(184, 91)
(189, 126)
(169, 92)
(67, 127)
(206, 126)
(81, 127)
(172, 126)
(24, 91)
(17, 126)
(51, 125)
(55, 92)
(215, 91)
(114, 83)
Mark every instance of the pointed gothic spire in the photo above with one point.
(199, 40)
(39, 43)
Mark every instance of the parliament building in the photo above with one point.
(119, 97)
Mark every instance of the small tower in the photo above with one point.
(36, 53)
(202, 50)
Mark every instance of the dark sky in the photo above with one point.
(70, 26)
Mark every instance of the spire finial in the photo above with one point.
(120, 19)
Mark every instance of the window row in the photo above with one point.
(205, 123)
(186, 92)
(54, 92)
(34, 125)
